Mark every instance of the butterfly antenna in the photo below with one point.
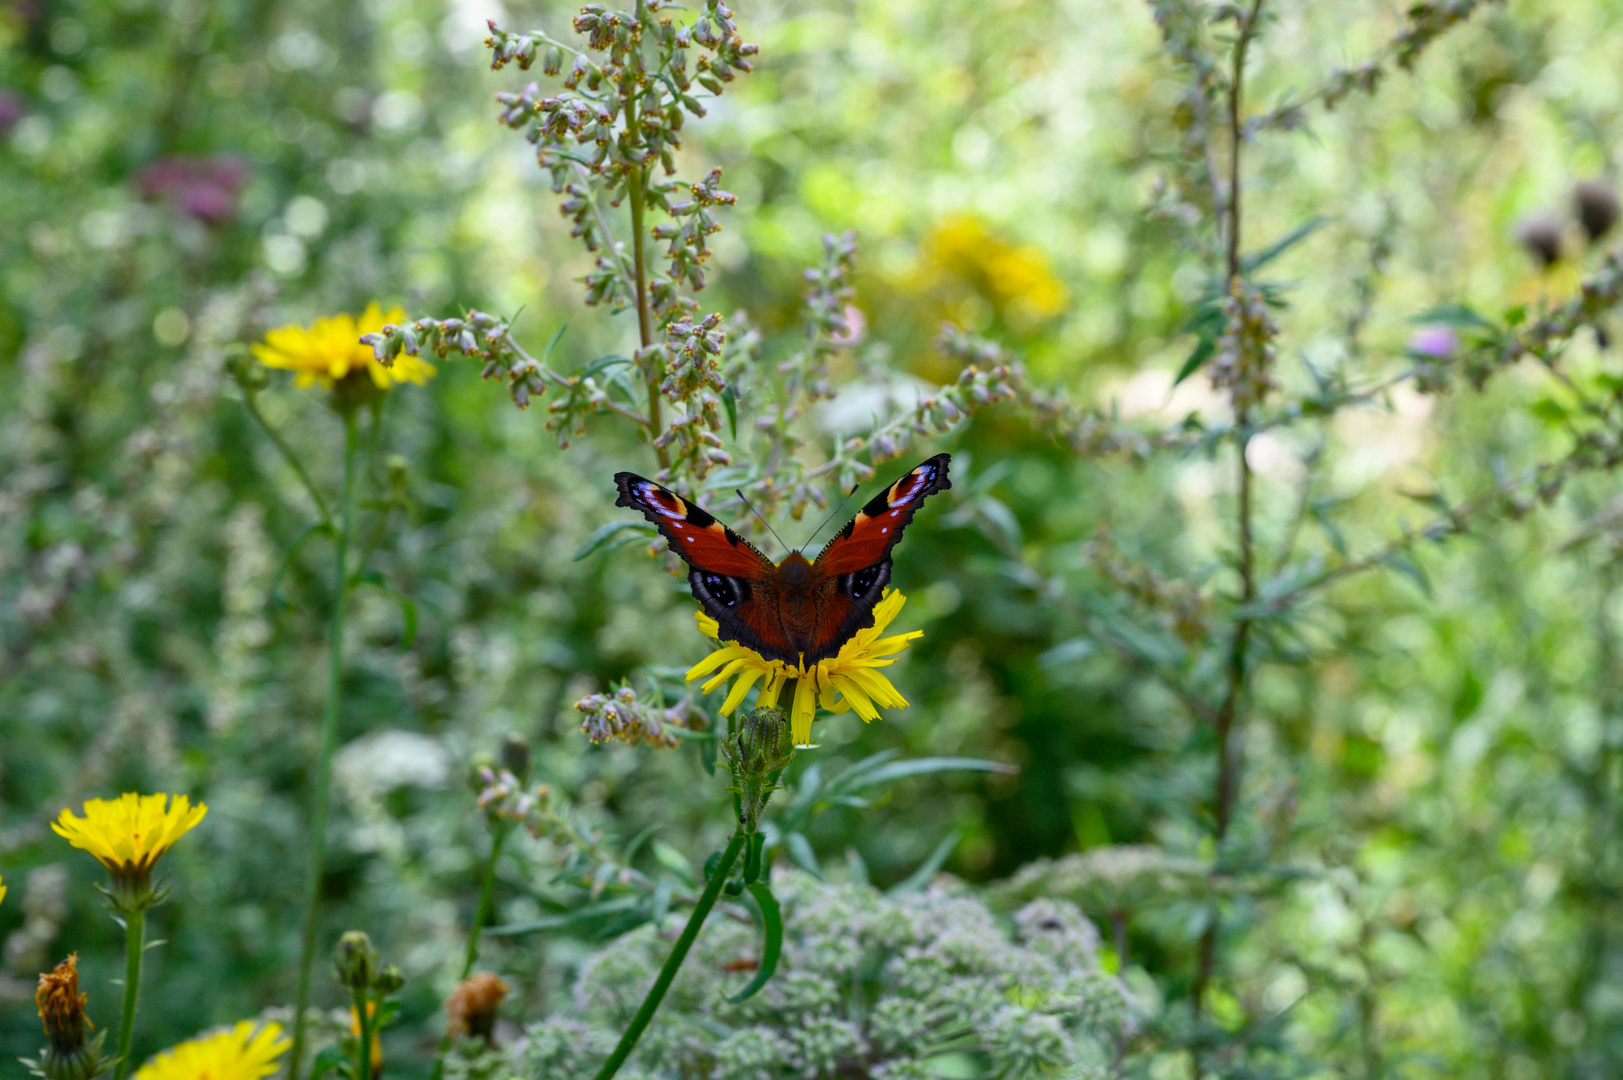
(832, 514)
(740, 493)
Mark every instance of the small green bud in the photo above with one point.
(760, 749)
(355, 961)
(389, 979)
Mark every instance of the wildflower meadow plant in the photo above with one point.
(128, 836)
(606, 138)
(328, 355)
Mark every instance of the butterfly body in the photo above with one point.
(796, 610)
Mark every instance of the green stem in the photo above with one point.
(481, 915)
(487, 895)
(363, 1049)
(329, 741)
(287, 453)
(134, 932)
(712, 890)
(635, 184)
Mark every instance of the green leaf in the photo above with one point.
(771, 947)
(672, 860)
(557, 336)
(899, 770)
(1548, 410)
(604, 533)
(801, 854)
(1455, 315)
(752, 857)
(603, 363)
(1257, 260)
(931, 865)
(580, 918)
(1072, 651)
(859, 770)
(332, 1059)
(408, 613)
(729, 398)
(1410, 569)
(1203, 352)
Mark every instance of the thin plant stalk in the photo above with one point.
(329, 741)
(487, 896)
(673, 964)
(134, 944)
(481, 915)
(1229, 720)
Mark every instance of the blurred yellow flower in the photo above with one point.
(839, 684)
(238, 1054)
(330, 349)
(375, 1056)
(130, 833)
(1015, 279)
(2, 889)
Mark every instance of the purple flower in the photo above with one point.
(205, 188)
(12, 108)
(1434, 341)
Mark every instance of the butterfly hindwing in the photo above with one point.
(728, 576)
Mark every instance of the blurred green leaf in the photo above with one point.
(605, 533)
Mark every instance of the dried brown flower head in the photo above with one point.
(472, 1006)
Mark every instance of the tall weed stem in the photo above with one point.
(329, 740)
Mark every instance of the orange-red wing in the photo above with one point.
(702, 541)
(876, 528)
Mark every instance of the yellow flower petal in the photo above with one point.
(803, 711)
(238, 1054)
(330, 349)
(837, 684)
(740, 688)
(130, 833)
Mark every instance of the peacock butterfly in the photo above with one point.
(796, 611)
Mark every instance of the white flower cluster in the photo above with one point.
(868, 985)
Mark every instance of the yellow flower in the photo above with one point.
(238, 1054)
(129, 834)
(330, 349)
(2, 888)
(376, 1055)
(844, 682)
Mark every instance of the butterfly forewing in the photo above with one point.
(868, 537)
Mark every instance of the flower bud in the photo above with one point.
(1540, 234)
(355, 961)
(1596, 204)
(390, 978)
(756, 752)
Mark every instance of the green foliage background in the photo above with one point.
(1431, 755)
